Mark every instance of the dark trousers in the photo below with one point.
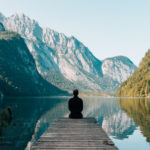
(76, 115)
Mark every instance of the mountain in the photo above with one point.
(66, 62)
(18, 73)
(118, 68)
(139, 83)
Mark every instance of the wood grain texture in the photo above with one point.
(74, 134)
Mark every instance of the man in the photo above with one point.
(75, 106)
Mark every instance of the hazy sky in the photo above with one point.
(107, 27)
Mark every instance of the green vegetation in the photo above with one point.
(139, 83)
(5, 118)
(18, 74)
(57, 79)
(139, 110)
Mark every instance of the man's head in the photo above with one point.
(75, 92)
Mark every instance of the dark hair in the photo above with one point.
(75, 92)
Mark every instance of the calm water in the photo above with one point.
(126, 121)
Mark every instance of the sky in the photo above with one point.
(107, 27)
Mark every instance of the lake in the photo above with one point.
(125, 120)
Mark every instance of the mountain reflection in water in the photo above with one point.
(139, 110)
(115, 122)
(32, 116)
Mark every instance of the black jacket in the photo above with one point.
(75, 106)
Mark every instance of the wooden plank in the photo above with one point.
(70, 134)
(77, 138)
(71, 147)
(75, 131)
(76, 148)
(73, 134)
(76, 126)
(76, 143)
(82, 127)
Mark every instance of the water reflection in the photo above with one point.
(26, 113)
(32, 116)
(115, 122)
(139, 110)
(59, 110)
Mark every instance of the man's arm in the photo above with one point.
(69, 105)
(81, 106)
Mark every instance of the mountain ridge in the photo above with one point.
(66, 56)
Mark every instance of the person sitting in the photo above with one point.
(75, 106)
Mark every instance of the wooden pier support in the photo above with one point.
(74, 134)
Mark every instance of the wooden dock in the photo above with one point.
(75, 134)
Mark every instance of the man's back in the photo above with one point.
(75, 105)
